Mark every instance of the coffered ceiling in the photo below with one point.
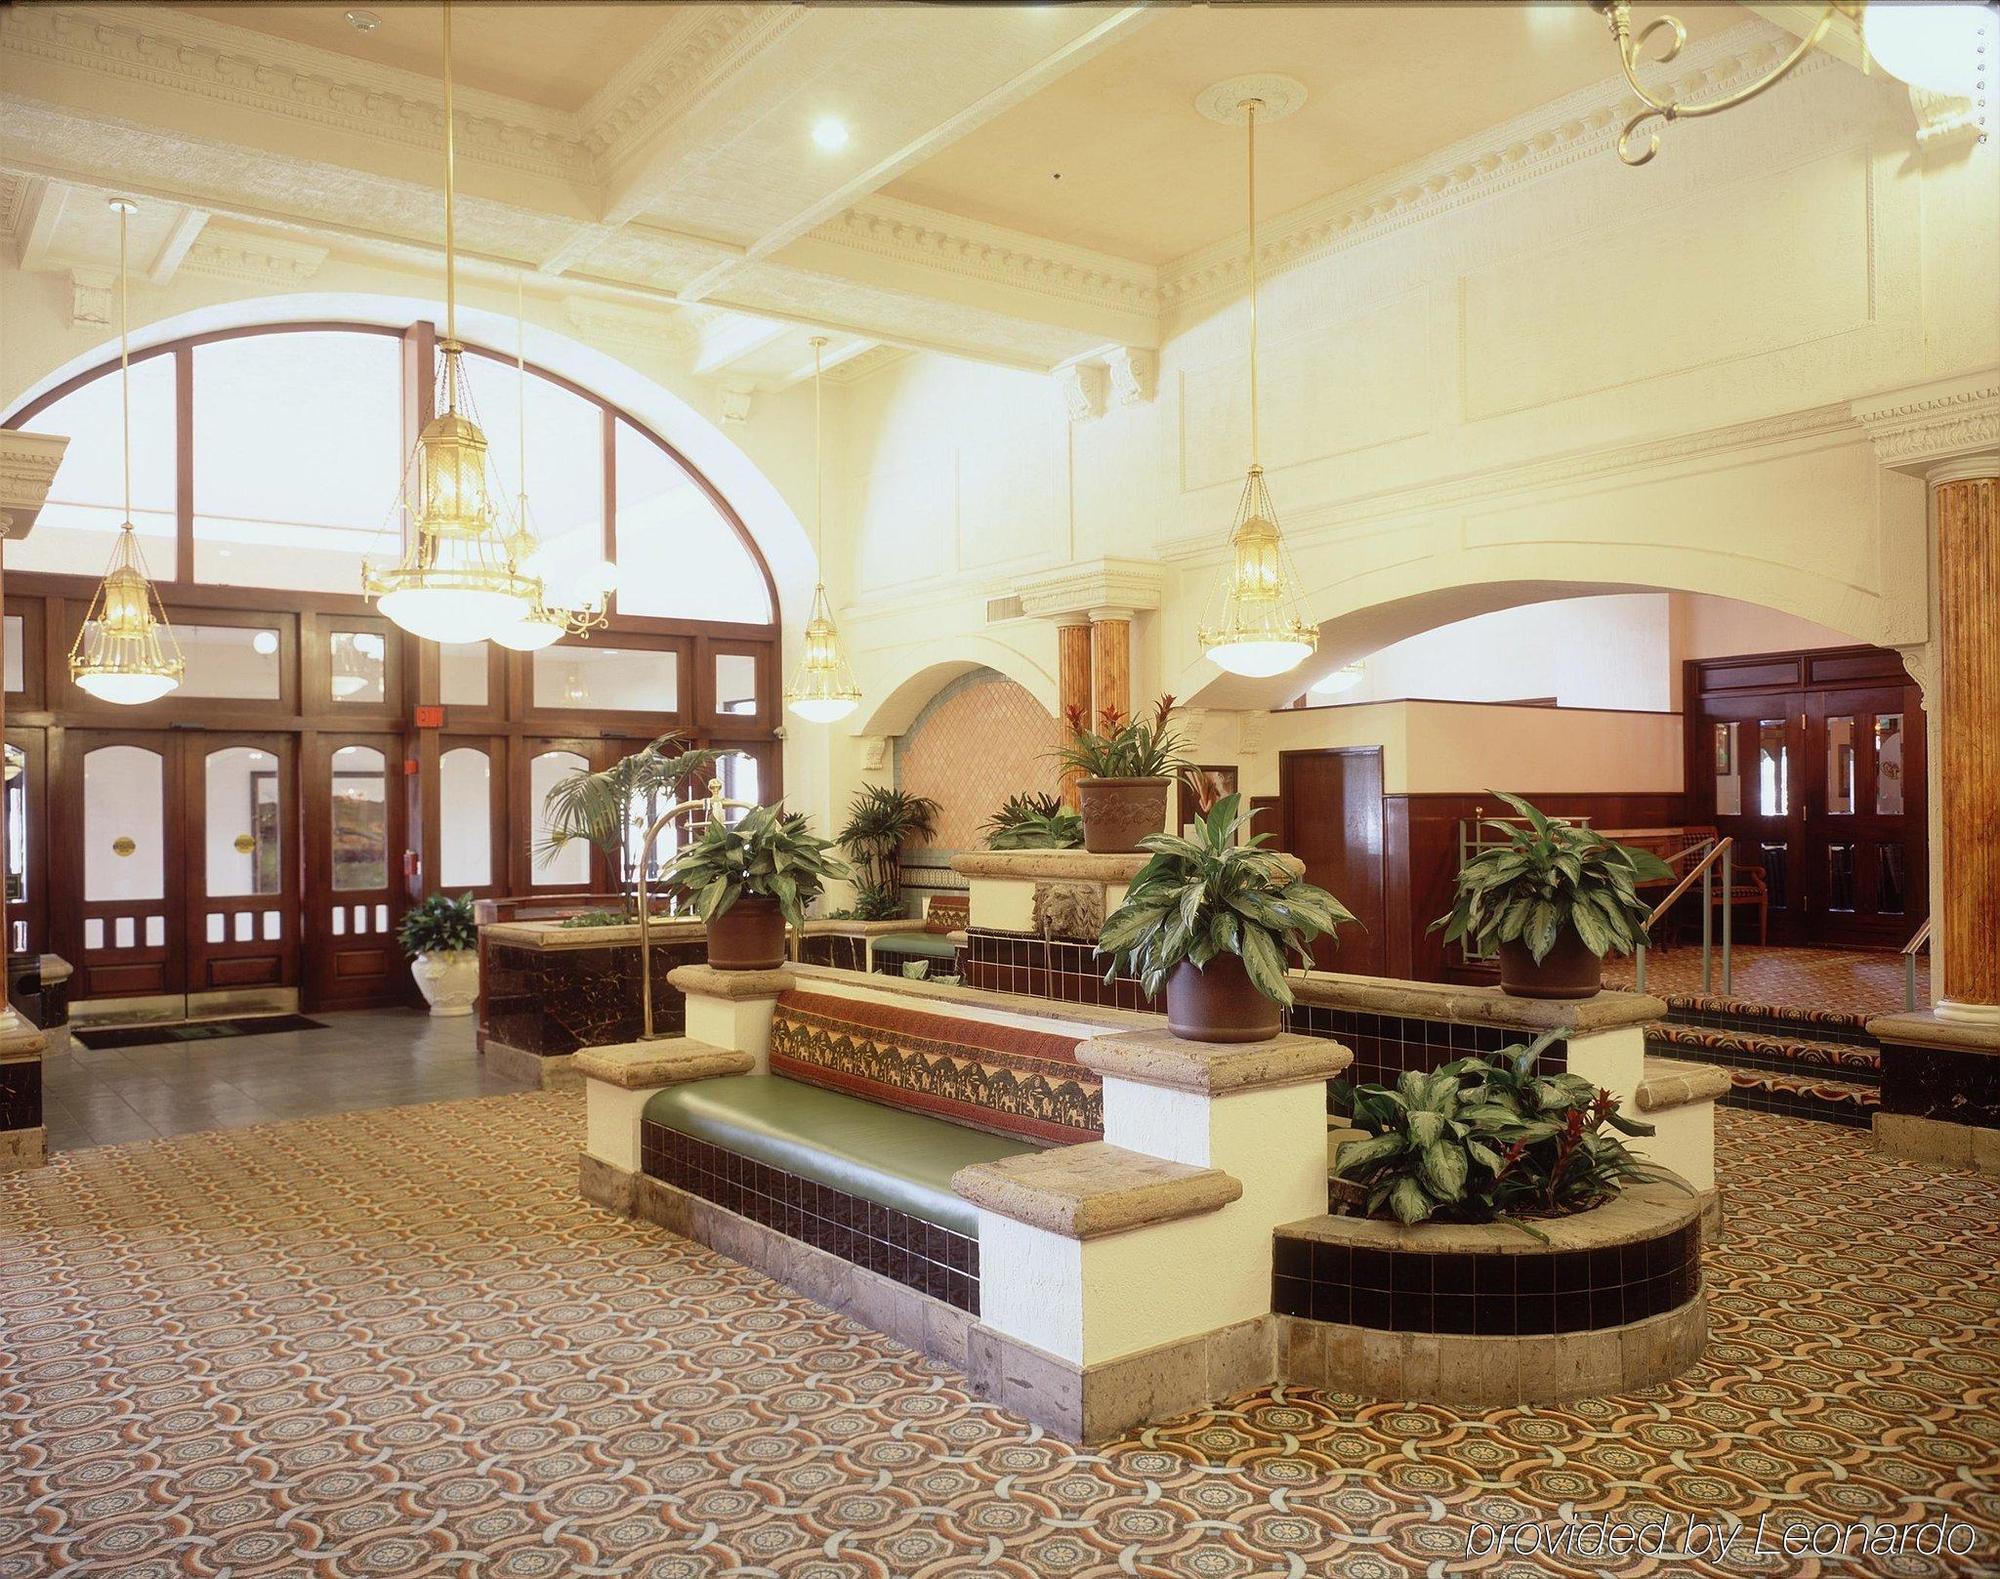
(662, 159)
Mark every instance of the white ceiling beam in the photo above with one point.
(174, 246)
(831, 357)
(728, 338)
(46, 203)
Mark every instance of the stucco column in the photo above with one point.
(1111, 661)
(1966, 499)
(1073, 696)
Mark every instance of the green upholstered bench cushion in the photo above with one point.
(931, 945)
(886, 1155)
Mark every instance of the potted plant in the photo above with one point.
(1212, 920)
(1553, 899)
(441, 939)
(1126, 771)
(600, 808)
(748, 880)
(880, 821)
(1488, 1139)
(1036, 821)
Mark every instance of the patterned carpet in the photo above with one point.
(1858, 981)
(396, 1343)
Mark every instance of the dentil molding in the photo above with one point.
(28, 463)
(232, 254)
(1914, 428)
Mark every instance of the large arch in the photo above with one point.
(899, 689)
(780, 537)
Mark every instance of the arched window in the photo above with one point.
(294, 458)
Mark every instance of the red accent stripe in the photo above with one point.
(969, 1114)
(974, 1035)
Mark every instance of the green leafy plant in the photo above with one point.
(600, 807)
(1489, 1139)
(438, 925)
(870, 904)
(584, 919)
(1139, 748)
(1545, 874)
(765, 852)
(1209, 895)
(1034, 822)
(880, 821)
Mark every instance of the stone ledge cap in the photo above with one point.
(670, 1061)
(1160, 1058)
(1927, 1030)
(1642, 1212)
(705, 981)
(1039, 865)
(1088, 1191)
(1429, 1000)
(55, 968)
(22, 1042)
(1669, 1083)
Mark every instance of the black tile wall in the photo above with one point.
(1054, 968)
(1498, 1295)
(554, 1001)
(21, 1094)
(836, 950)
(1384, 1045)
(1831, 1027)
(1951, 1083)
(1854, 1109)
(921, 1255)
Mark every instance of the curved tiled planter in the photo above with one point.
(1484, 1313)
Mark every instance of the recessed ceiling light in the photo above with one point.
(829, 133)
(363, 21)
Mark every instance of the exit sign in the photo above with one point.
(430, 718)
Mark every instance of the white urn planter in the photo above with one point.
(448, 981)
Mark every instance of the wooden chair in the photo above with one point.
(1681, 848)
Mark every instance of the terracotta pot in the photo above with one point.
(1218, 1003)
(749, 935)
(1118, 813)
(1570, 970)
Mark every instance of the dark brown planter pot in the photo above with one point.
(1218, 1003)
(1570, 970)
(749, 935)
(1118, 813)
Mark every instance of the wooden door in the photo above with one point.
(1331, 805)
(124, 830)
(1755, 760)
(25, 830)
(242, 853)
(354, 817)
(1864, 849)
(541, 762)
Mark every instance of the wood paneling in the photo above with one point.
(1968, 518)
(1332, 807)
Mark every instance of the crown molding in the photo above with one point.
(866, 364)
(1556, 471)
(1582, 125)
(910, 233)
(13, 201)
(28, 463)
(1913, 429)
(1109, 583)
(228, 253)
(223, 63)
(685, 63)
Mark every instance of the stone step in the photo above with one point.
(1805, 1096)
(1772, 1050)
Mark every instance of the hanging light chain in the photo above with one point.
(450, 190)
(1250, 122)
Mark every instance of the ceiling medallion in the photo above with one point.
(1938, 48)
(125, 651)
(1254, 624)
(824, 690)
(457, 580)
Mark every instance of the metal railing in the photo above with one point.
(1911, 950)
(714, 804)
(1719, 850)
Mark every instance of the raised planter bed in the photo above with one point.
(1485, 1313)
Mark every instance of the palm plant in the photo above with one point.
(1211, 895)
(598, 807)
(880, 821)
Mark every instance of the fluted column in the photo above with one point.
(1967, 737)
(1072, 683)
(1111, 661)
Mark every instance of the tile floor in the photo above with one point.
(363, 1059)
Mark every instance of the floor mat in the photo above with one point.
(111, 1036)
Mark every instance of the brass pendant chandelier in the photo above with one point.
(1254, 624)
(824, 689)
(550, 619)
(456, 581)
(125, 650)
(1934, 47)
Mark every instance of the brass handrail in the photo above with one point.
(1715, 853)
(1919, 941)
(715, 804)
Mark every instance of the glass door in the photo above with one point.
(1864, 855)
(124, 824)
(242, 879)
(354, 896)
(1755, 748)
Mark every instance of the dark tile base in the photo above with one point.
(1063, 971)
(1384, 1045)
(1513, 1294)
(21, 1094)
(835, 951)
(918, 1254)
(1954, 1084)
(552, 1001)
